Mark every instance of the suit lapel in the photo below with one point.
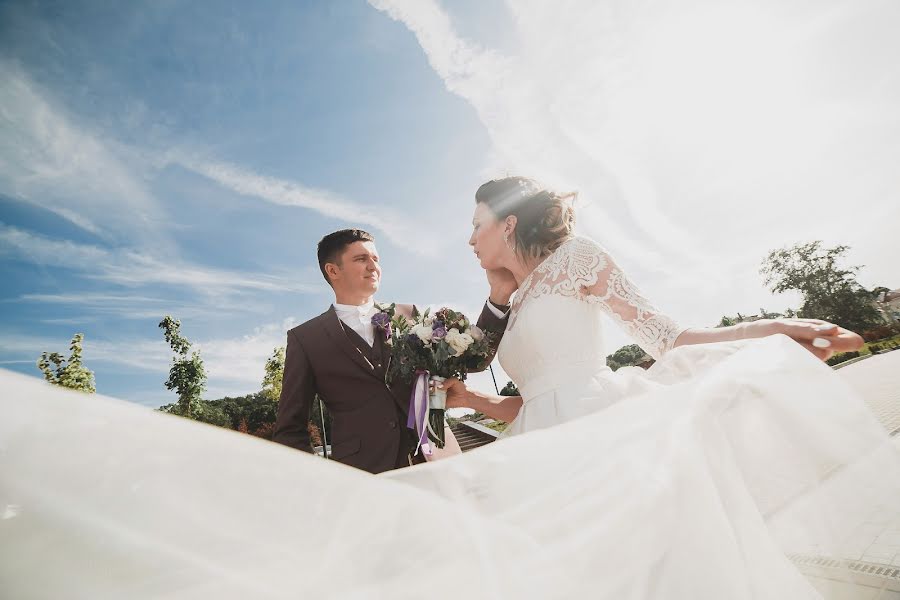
(386, 358)
(382, 350)
(336, 332)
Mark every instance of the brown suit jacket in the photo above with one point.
(368, 416)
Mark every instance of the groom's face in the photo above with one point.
(358, 271)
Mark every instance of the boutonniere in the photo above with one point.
(382, 321)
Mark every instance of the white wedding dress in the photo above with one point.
(553, 347)
(696, 479)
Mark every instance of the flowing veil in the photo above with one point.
(104, 499)
(748, 471)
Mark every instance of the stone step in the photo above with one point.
(470, 438)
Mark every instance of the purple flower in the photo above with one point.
(438, 324)
(438, 332)
(382, 320)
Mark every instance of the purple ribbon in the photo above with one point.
(417, 418)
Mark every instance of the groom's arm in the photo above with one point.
(495, 314)
(297, 392)
(493, 320)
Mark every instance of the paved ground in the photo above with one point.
(878, 380)
(875, 545)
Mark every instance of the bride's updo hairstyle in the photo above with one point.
(544, 218)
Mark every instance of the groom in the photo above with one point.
(340, 356)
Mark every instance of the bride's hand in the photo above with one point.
(821, 338)
(456, 392)
(503, 284)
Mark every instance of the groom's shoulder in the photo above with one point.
(309, 325)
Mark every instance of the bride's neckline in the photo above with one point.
(527, 280)
(522, 292)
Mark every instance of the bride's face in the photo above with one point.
(487, 238)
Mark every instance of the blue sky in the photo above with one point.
(185, 157)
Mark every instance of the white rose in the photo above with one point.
(458, 341)
(424, 333)
(476, 333)
(429, 320)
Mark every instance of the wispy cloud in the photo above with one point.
(399, 228)
(131, 268)
(101, 185)
(49, 160)
(91, 306)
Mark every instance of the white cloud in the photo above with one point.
(76, 219)
(46, 251)
(240, 361)
(90, 305)
(399, 228)
(49, 160)
(100, 185)
(131, 268)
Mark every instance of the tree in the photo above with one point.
(187, 375)
(626, 356)
(764, 314)
(739, 318)
(69, 373)
(726, 322)
(830, 292)
(271, 383)
(510, 389)
(271, 391)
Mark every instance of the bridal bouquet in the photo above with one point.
(427, 350)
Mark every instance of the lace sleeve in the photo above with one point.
(599, 279)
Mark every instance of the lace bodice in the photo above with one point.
(555, 327)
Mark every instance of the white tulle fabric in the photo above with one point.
(718, 463)
(554, 346)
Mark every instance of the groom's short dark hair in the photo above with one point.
(332, 246)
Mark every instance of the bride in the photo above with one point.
(698, 478)
(553, 347)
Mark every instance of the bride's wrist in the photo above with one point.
(765, 327)
(499, 300)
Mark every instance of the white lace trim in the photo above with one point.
(578, 265)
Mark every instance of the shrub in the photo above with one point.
(842, 357)
(879, 333)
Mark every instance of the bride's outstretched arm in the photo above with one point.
(656, 333)
(502, 408)
(819, 337)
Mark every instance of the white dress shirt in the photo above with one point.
(359, 319)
